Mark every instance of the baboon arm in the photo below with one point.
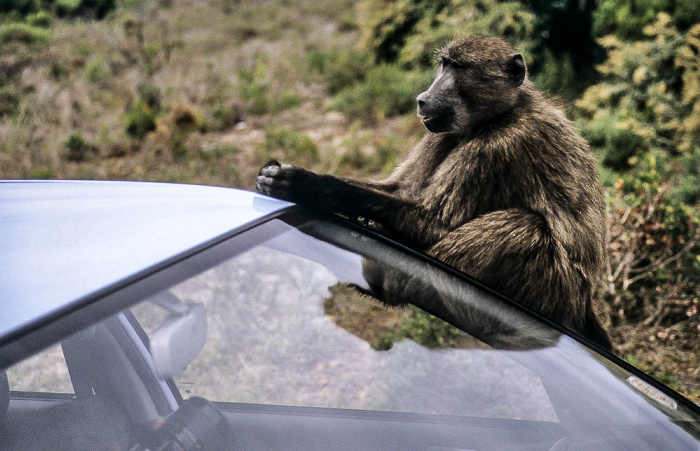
(383, 186)
(406, 219)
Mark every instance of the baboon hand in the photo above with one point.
(281, 180)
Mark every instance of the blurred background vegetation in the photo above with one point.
(206, 91)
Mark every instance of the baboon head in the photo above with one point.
(479, 78)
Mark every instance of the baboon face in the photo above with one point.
(479, 78)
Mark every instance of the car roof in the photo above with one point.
(63, 240)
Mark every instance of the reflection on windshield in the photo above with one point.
(289, 325)
(274, 339)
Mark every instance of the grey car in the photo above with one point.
(160, 316)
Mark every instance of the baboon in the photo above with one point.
(502, 187)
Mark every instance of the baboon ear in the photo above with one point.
(515, 69)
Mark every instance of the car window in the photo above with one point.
(286, 327)
(44, 372)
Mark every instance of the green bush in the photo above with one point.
(339, 69)
(224, 115)
(283, 143)
(149, 95)
(554, 37)
(97, 70)
(23, 32)
(78, 148)
(286, 101)
(99, 8)
(255, 88)
(140, 119)
(688, 189)
(650, 98)
(141, 114)
(39, 19)
(643, 122)
(627, 18)
(20, 6)
(41, 172)
(409, 32)
(9, 100)
(423, 328)
(386, 91)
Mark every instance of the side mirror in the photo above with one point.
(176, 342)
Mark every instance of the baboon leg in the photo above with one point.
(513, 251)
(394, 286)
(460, 304)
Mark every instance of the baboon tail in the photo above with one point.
(595, 332)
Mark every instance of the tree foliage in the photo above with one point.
(554, 37)
(409, 32)
(643, 120)
(648, 105)
(627, 18)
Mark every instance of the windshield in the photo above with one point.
(277, 332)
(291, 319)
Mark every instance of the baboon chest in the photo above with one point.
(434, 167)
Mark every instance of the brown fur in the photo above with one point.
(502, 188)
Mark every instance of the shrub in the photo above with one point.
(78, 147)
(287, 144)
(642, 120)
(688, 189)
(409, 32)
(9, 100)
(261, 98)
(386, 91)
(554, 37)
(627, 18)
(140, 119)
(58, 70)
(423, 328)
(39, 19)
(253, 87)
(653, 269)
(185, 116)
(141, 114)
(20, 6)
(285, 101)
(41, 172)
(23, 32)
(360, 155)
(224, 115)
(98, 8)
(650, 98)
(96, 70)
(340, 69)
(150, 95)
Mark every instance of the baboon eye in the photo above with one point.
(449, 62)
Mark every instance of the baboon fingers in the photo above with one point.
(283, 181)
(270, 163)
(263, 185)
(270, 171)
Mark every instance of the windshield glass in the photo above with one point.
(290, 318)
(277, 335)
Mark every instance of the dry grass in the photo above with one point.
(240, 67)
